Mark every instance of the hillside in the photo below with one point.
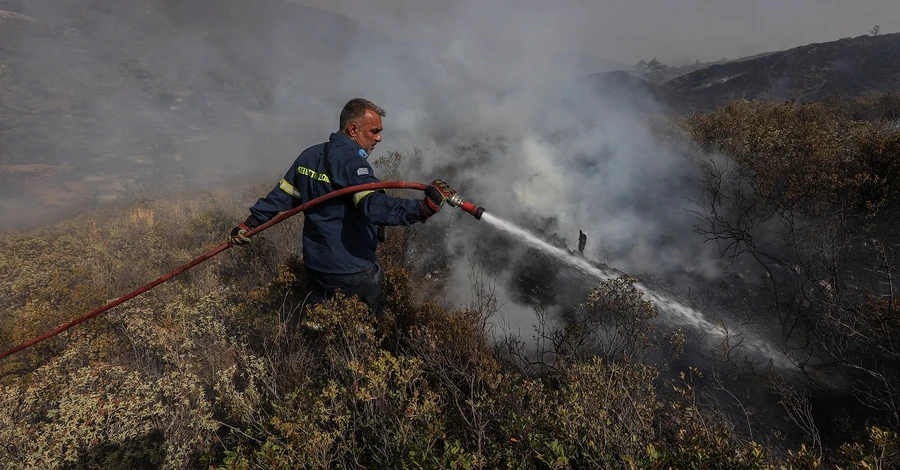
(98, 71)
(852, 67)
(211, 369)
(101, 99)
(849, 68)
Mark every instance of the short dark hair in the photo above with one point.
(356, 109)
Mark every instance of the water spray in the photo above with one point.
(676, 312)
(685, 315)
(457, 201)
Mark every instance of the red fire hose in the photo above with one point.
(455, 201)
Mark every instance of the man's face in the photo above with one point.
(366, 131)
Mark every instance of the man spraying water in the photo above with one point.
(334, 185)
(340, 236)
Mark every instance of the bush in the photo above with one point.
(211, 369)
(810, 195)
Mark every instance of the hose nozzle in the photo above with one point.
(457, 201)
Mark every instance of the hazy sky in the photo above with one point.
(626, 31)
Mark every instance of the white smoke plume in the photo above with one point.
(496, 106)
(242, 87)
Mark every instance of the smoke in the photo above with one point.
(516, 127)
(490, 94)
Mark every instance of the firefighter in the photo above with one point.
(340, 235)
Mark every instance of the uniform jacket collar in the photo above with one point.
(352, 145)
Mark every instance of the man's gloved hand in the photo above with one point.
(436, 194)
(237, 236)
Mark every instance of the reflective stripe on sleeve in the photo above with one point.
(289, 188)
(358, 196)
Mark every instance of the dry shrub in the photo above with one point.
(600, 414)
(98, 414)
(212, 369)
(365, 406)
(159, 357)
(810, 195)
(614, 322)
(880, 450)
(804, 157)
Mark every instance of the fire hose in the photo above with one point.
(454, 201)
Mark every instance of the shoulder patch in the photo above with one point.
(362, 171)
(364, 154)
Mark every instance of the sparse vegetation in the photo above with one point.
(852, 67)
(811, 196)
(210, 369)
(658, 73)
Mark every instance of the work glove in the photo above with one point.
(238, 236)
(436, 194)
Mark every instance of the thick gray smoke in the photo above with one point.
(205, 91)
(499, 113)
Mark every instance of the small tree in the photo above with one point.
(653, 71)
(875, 30)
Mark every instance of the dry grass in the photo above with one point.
(211, 370)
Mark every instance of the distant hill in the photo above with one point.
(659, 73)
(851, 66)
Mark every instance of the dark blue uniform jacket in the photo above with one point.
(339, 236)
